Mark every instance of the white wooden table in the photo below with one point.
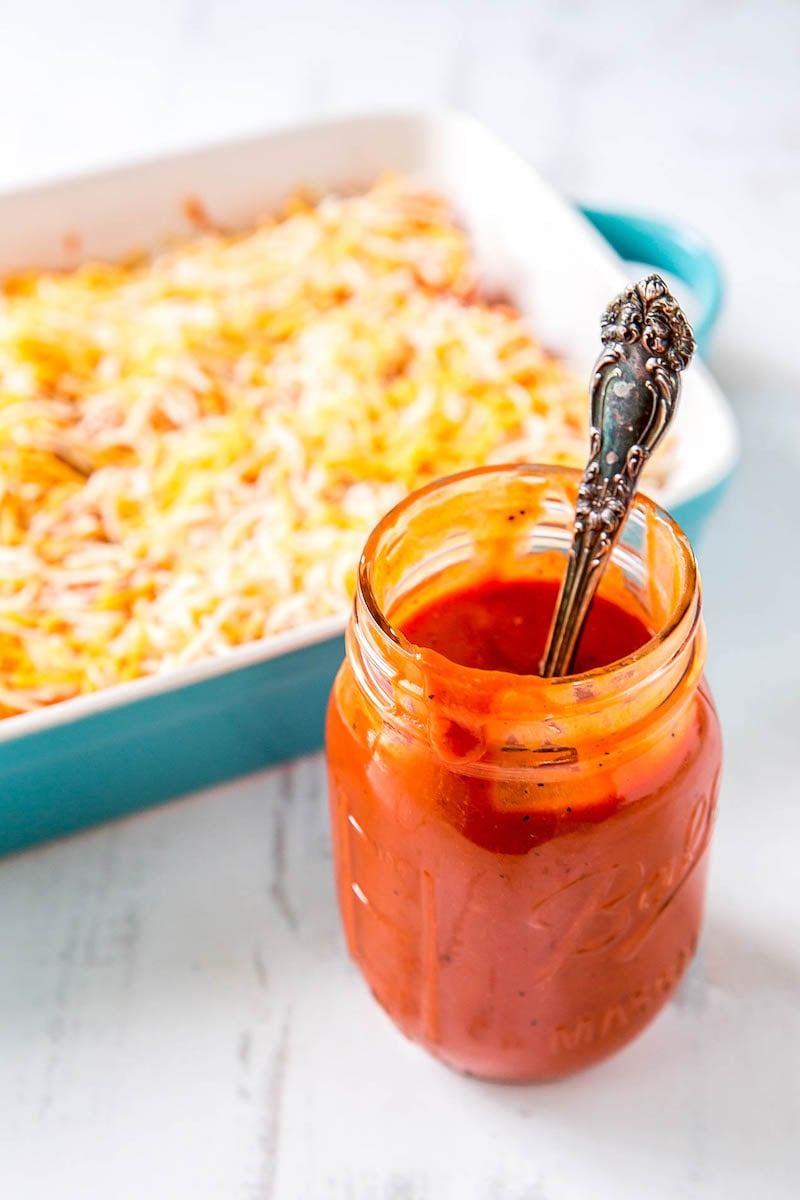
(177, 1014)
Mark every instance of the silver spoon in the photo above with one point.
(647, 343)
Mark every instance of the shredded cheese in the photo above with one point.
(194, 446)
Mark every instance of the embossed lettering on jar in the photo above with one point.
(520, 861)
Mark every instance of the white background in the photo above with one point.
(177, 1015)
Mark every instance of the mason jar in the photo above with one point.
(521, 862)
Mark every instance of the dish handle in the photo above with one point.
(675, 248)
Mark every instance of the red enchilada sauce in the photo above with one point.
(521, 876)
(502, 625)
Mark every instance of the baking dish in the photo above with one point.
(140, 743)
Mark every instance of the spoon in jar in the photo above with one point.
(634, 393)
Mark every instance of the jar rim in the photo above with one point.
(688, 598)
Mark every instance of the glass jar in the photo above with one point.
(520, 862)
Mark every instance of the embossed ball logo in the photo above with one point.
(615, 908)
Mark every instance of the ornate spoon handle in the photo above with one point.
(647, 343)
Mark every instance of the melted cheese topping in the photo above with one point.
(193, 447)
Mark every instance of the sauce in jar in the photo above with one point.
(520, 861)
(502, 625)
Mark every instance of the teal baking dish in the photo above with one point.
(103, 756)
